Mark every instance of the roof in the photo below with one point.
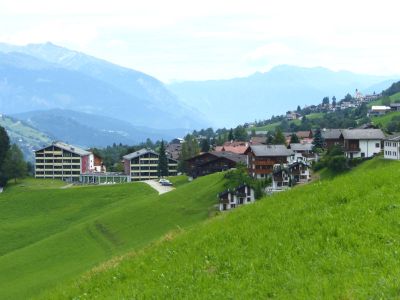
(394, 137)
(304, 134)
(395, 105)
(363, 134)
(271, 150)
(69, 148)
(234, 149)
(331, 134)
(380, 107)
(139, 153)
(231, 156)
(301, 147)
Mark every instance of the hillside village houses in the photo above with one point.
(392, 147)
(241, 195)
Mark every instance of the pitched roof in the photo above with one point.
(363, 134)
(271, 150)
(69, 148)
(234, 149)
(331, 134)
(231, 156)
(394, 137)
(301, 147)
(304, 134)
(139, 153)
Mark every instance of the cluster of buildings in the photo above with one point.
(73, 164)
(380, 110)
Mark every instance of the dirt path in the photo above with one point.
(158, 187)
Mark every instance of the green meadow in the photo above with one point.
(50, 235)
(331, 239)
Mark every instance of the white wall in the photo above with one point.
(368, 147)
(391, 150)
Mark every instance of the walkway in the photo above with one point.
(161, 189)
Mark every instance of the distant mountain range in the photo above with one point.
(261, 95)
(88, 130)
(46, 76)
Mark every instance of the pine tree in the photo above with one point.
(4, 147)
(318, 140)
(205, 145)
(231, 136)
(294, 139)
(162, 161)
(279, 138)
(14, 165)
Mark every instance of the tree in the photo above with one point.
(162, 161)
(4, 146)
(14, 165)
(294, 139)
(279, 138)
(386, 101)
(240, 133)
(333, 101)
(325, 101)
(231, 137)
(318, 141)
(298, 108)
(205, 145)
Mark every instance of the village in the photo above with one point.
(284, 165)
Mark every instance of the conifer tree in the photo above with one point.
(14, 164)
(318, 141)
(162, 161)
(294, 139)
(279, 138)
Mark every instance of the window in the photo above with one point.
(362, 154)
(377, 145)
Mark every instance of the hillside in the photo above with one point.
(46, 76)
(25, 136)
(56, 234)
(336, 239)
(262, 95)
(90, 130)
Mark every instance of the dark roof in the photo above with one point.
(394, 137)
(69, 148)
(301, 147)
(331, 134)
(232, 190)
(395, 105)
(139, 153)
(363, 134)
(231, 156)
(271, 150)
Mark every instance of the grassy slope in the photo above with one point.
(393, 98)
(384, 120)
(52, 235)
(331, 239)
(272, 127)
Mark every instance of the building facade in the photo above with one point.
(391, 147)
(62, 161)
(362, 143)
(143, 165)
(241, 195)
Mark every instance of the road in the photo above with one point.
(158, 187)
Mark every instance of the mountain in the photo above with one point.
(239, 100)
(90, 130)
(46, 76)
(24, 135)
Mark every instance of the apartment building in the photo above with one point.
(143, 165)
(62, 161)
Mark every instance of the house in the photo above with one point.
(302, 151)
(241, 195)
(292, 115)
(212, 162)
(362, 143)
(262, 158)
(395, 107)
(391, 147)
(285, 176)
(143, 165)
(174, 149)
(234, 147)
(378, 110)
(332, 137)
(63, 161)
(258, 140)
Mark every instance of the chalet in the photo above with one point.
(233, 146)
(391, 147)
(143, 165)
(292, 115)
(332, 137)
(241, 195)
(378, 110)
(395, 107)
(212, 162)
(362, 142)
(63, 161)
(302, 151)
(174, 149)
(262, 158)
(285, 176)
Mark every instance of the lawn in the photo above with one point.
(332, 239)
(272, 127)
(384, 120)
(393, 98)
(50, 235)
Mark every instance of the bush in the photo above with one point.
(337, 163)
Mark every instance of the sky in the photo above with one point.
(178, 40)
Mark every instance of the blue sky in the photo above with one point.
(198, 40)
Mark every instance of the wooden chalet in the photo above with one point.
(241, 195)
(212, 162)
(262, 158)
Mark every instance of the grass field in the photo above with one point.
(384, 120)
(272, 127)
(50, 235)
(333, 239)
(393, 98)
